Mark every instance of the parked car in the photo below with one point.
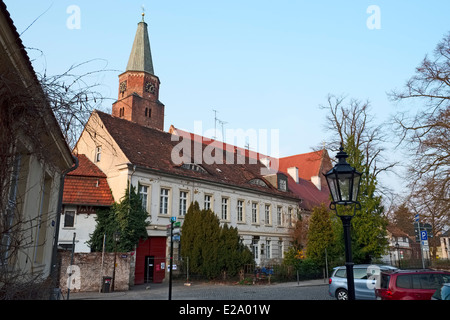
(411, 284)
(365, 276)
(443, 293)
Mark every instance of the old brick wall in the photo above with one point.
(87, 271)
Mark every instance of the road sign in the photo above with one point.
(423, 235)
(416, 218)
(173, 219)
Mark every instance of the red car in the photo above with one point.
(410, 284)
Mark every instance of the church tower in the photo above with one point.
(139, 87)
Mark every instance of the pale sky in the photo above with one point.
(261, 64)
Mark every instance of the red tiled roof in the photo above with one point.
(87, 185)
(155, 148)
(308, 192)
(308, 164)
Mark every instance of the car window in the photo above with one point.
(384, 283)
(445, 278)
(404, 281)
(360, 273)
(434, 281)
(341, 273)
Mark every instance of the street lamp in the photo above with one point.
(116, 240)
(343, 181)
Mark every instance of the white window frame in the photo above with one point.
(225, 215)
(240, 211)
(268, 249)
(165, 205)
(144, 196)
(209, 202)
(268, 214)
(183, 203)
(279, 215)
(255, 212)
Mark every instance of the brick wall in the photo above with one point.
(87, 272)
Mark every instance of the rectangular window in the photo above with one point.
(240, 211)
(268, 250)
(279, 216)
(255, 248)
(254, 212)
(98, 154)
(164, 201)
(143, 194)
(69, 219)
(280, 249)
(225, 208)
(267, 215)
(208, 202)
(183, 203)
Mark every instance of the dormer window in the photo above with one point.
(193, 167)
(258, 182)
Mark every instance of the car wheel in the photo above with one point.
(342, 294)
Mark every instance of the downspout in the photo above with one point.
(53, 269)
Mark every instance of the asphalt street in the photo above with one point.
(304, 290)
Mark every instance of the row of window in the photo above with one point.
(207, 204)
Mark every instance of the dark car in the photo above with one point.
(410, 284)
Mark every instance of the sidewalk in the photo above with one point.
(197, 290)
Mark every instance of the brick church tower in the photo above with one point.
(139, 87)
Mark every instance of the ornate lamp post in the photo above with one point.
(343, 181)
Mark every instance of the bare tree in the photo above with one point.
(352, 119)
(73, 98)
(426, 131)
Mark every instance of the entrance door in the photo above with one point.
(148, 268)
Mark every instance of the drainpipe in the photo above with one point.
(53, 269)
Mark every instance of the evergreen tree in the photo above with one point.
(211, 249)
(369, 223)
(320, 235)
(127, 217)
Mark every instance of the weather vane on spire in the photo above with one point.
(143, 12)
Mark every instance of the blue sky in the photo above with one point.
(260, 64)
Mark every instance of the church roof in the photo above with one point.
(141, 55)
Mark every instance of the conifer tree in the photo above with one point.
(320, 235)
(128, 218)
(211, 249)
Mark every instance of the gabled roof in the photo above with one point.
(311, 164)
(152, 149)
(308, 164)
(87, 185)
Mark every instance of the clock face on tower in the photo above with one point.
(123, 86)
(149, 87)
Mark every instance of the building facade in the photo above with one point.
(34, 159)
(86, 191)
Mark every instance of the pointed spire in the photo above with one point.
(141, 55)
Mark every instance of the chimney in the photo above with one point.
(293, 172)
